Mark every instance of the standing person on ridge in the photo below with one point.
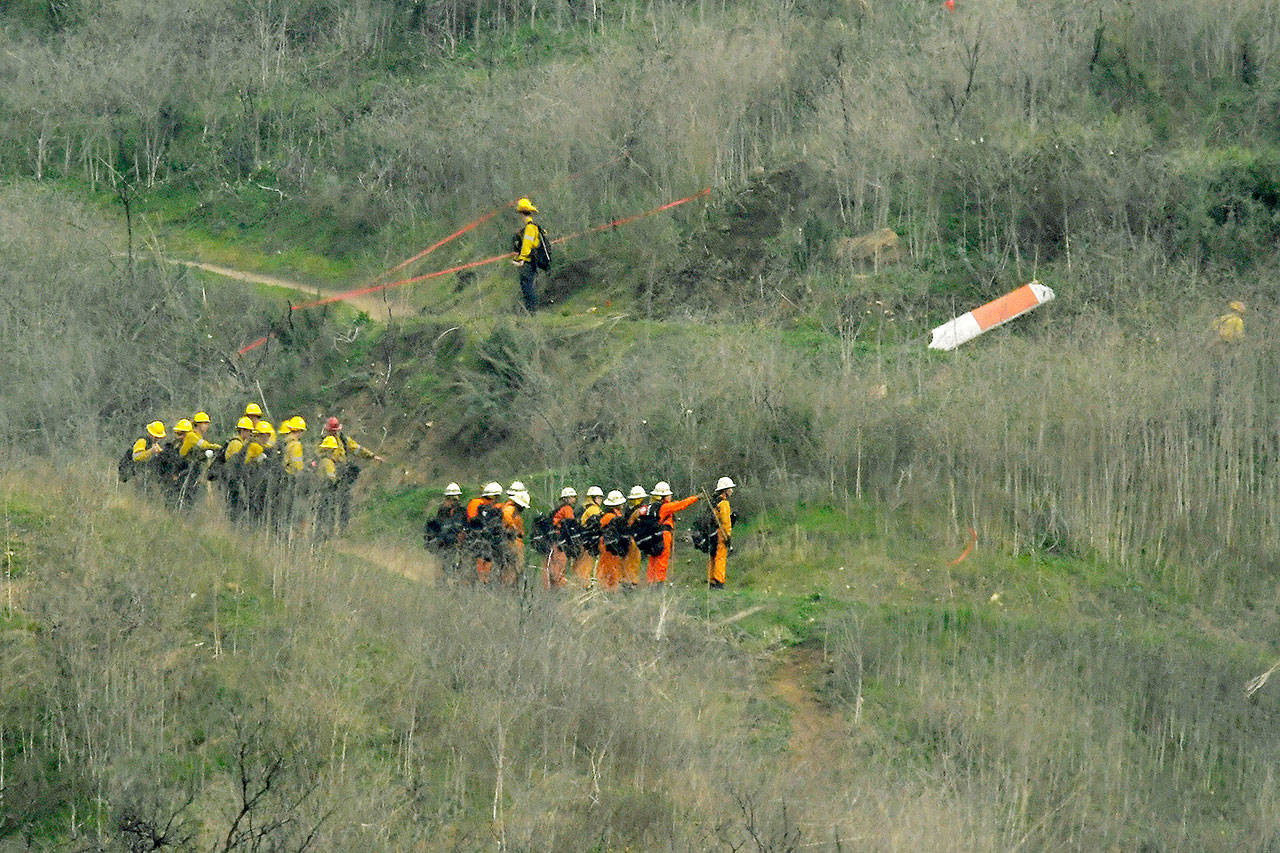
(558, 559)
(1230, 327)
(229, 469)
(631, 562)
(666, 510)
(529, 241)
(512, 554)
(478, 511)
(348, 471)
(446, 532)
(609, 566)
(716, 564)
(589, 522)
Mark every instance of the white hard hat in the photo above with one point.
(725, 483)
(490, 490)
(516, 486)
(662, 490)
(521, 499)
(615, 498)
(595, 492)
(452, 490)
(637, 493)
(568, 492)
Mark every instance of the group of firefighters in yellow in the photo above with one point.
(267, 472)
(602, 544)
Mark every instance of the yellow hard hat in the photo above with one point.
(329, 442)
(265, 428)
(200, 418)
(286, 427)
(526, 206)
(155, 429)
(253, 410)
(1237, 306)
(299, 425)
(183, 425)
(245, 423)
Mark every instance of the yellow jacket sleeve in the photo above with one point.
(253, 452)
(532, 237)
(234, 446)
(141, 450)
(329, 469)
(354, 448)
(725, 515)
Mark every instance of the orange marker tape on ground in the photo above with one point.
(253, 346)
(338, 297)
(973, 540)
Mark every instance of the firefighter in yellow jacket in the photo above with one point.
(530, 239)
(716, 565)
(631, 562)
(293, 488)
(1230, 327)
(151, 455)
(230, 470)
(585, 563)
(327, 485)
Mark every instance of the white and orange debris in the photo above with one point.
(997, 312)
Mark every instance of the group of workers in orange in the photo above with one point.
(268, 474)
(603, 544)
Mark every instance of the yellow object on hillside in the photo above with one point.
(1230, 327)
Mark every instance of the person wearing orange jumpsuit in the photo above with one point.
(716, 565)
(557, 560)
(666, 510)
(475, 521)
(609, 564)
(586, 561)
(512, 555)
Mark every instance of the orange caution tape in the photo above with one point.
(374, 288)
(973, 540)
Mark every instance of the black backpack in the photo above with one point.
(647, 532)
(125, 467)
(615, 538)
(570, 537)
(543, 534)
(704, 533)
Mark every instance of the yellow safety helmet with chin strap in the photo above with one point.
(253, 410)
(183, 425)
(525, 206)
(245, 423)
(200, 418)
(155, 429)
(329, 442)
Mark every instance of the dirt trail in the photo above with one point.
(416, 565)
(814, 727)
(373, 304)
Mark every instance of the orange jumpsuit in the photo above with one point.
(513, 553)
(483, 566)
(609, 566)
(556, 560)
(586, 561)
(666, 520)
(720, 556)
(631, 562)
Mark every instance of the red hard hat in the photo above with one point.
(333, 424)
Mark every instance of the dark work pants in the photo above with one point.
(527, 271)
